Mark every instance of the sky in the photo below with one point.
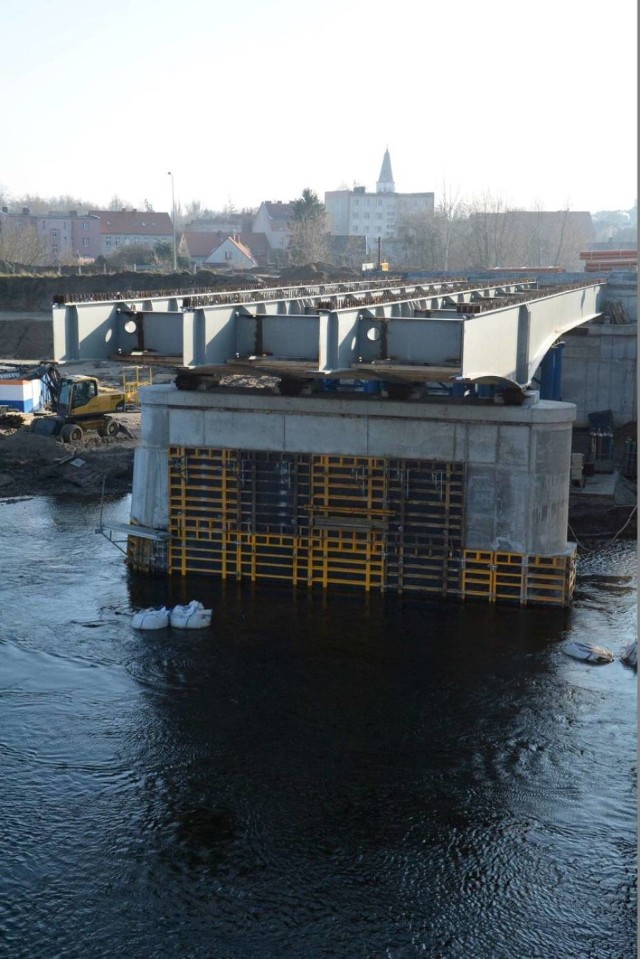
(532, 103)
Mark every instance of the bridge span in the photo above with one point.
(444, 333)
(416, 457)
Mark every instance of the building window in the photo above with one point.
(85, 225)
(54, 248)
(55, 234)
(366, 216)
(107, 241)
(228, 255)
(85, 241)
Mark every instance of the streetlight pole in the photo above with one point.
(173, 217)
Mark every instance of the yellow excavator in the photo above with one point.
(79, 405)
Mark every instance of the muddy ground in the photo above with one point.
(36, 464)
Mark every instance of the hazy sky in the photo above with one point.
(256, 100)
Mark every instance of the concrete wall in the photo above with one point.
(518, 458)
(622, 287)
(599, 372)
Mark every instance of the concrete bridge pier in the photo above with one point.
(464, 500)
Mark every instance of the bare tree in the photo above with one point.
(194, 210)
(416, 243)
(449, 214)
(561, 237)
(40, 205)
(21, 243)
(308, 230)
(117, 203)
(488, 231)
(66, 202)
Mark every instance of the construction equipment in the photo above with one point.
(79, 405)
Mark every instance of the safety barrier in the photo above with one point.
(133, 377)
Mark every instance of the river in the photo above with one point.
(315, 776)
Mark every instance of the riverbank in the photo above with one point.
(32, 465)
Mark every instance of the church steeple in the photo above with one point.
(385, 182)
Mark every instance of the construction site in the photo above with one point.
(388, 436)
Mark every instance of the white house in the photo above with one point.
(232, 254)
(273, 220)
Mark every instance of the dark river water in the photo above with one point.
(341, 776)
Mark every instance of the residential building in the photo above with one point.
(225, 222)
(48, 239)
(376, 215)
(198, 247)
(120, 228)
(273, 220)
(232, 254)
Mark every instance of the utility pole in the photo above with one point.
(173, 217)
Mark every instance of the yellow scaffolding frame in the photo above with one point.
(509, 577)
(330, 520)
(133, 377)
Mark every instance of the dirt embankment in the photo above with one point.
(36, 293)
(31, 464)
(25, 336)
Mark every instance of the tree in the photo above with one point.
(448, 221)
(116, 203)
(308, 230)
(194, 210)
(308, 208)
(488, 232)
(130, 255)
(416, 243)
(163, 252)
(21, 243)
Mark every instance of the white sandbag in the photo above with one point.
(588, 652)
(151, 619)
(629, 655)
(192, 616)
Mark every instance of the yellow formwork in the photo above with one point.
(478, 574)
(315, 519)
(510, 577)
(551, 579)
(331, 520)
